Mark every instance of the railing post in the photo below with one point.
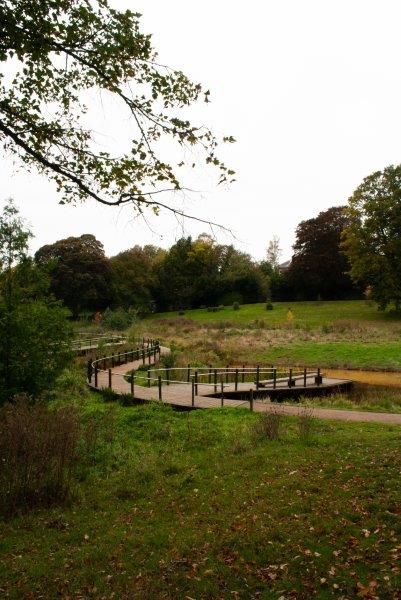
(257, 376)
(192, 391)
(236, 379)
(110, 378)
(148, 376)
(274, 378)
(96, 375)
(215, 380)
(112, 361)
(119, 358)
(168, 376)
(222, 390)
(159, 383)
(318, 378)
(196, 382)
(251, 399)
(243, 374)
(132, 384)
(89, 371)
(188, 373)
(209, 379)
(304, 377)
(149, 356)
(290, 379)
(143, 356)
(227, 367)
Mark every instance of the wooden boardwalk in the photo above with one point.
(181, 394)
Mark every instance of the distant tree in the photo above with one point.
(79, 272)
(319, 267)
(241, 277)
(273, 252)
(270, 267)
(58, 50)
(372, 239)
(188, 274)
(200, 272)
(133, 277)
(34, 331)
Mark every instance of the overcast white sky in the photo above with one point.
(311, 90)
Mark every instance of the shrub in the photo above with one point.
(269, 424)
(119, 319)
(109, 395)
(126, 400)
(236, 306)
(306, 425)
(38, 449)
(168, 361)
(269, 306)
(181, 312)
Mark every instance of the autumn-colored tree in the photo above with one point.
(372, 239)
(319, 267)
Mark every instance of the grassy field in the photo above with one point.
(350, 334)
(306, 314)
(202, 505)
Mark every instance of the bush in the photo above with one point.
(269, 306)
(38, 449)
(269, 424)
(236, 306)
(119, 319)
(109, 395)
(306, 426)
(168, 361)
(126, 400)
(181, 312)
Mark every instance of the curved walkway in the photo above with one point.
(196, 395)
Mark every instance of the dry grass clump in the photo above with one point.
(306, 425)
(38, 449)
(269, 424)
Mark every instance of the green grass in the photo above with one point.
(345, 334)
(196, 505)
(336, 354)
(306, 314)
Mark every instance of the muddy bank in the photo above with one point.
(387, 378)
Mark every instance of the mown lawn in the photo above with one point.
(197, 505)
(306, 314)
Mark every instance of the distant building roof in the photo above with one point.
(284, 266)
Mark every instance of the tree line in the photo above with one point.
(199, 272)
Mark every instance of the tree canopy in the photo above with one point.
(373, 237)
(53, 52)
(79, 272)
(318, 266)
(34, 332)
